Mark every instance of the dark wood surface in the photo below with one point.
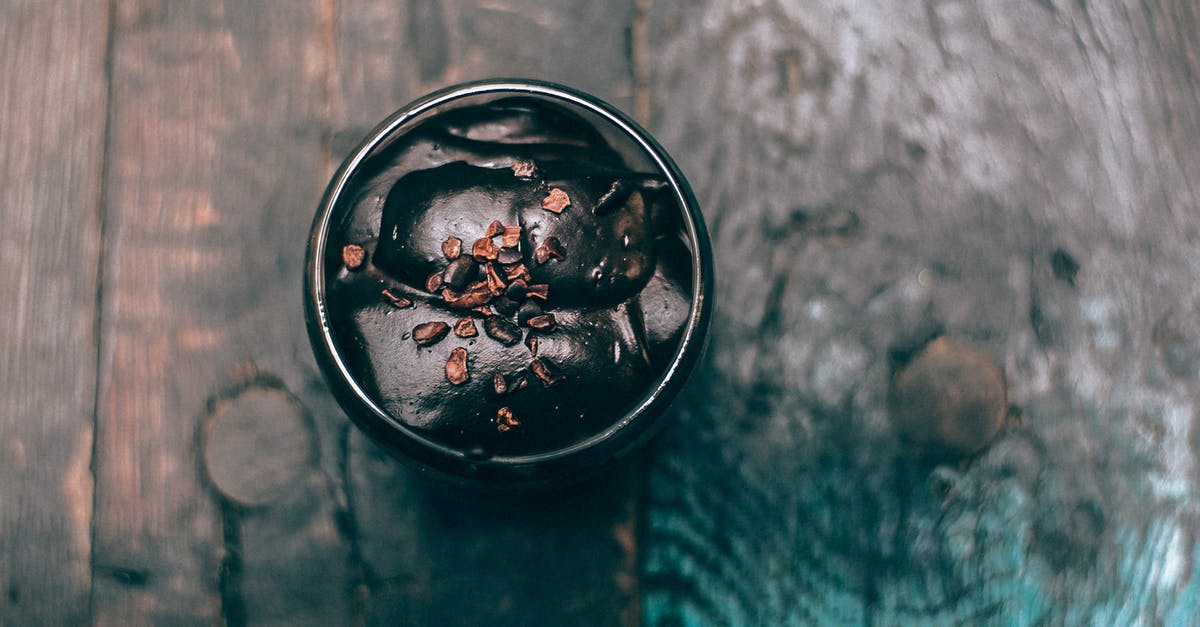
(1018, 176)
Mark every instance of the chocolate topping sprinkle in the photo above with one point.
(494, 229)
(452, 248)
(509, 256)
(556, 201)
(459, 273)
(524, 168)
(501, 330)
(477, 294)
(465, 327)
(494, 282)
(353, 257)
(549, 248)
(544, 323)
(512, 237)
(499, 384)
(540, 291)
(456, 367)
(544, 370)
(429, 333)
(397, 301)
(505, 421)
(434, 282)
(484, 249)
(516, 290)
(519, 271)
(531, 342)
(527, 312)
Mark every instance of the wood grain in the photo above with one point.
(52, 116)
(1018, 175)
(216, 159)
(431, 555)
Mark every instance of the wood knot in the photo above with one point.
(257, 445)
(949, 401)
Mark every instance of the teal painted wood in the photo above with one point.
(1019, 175)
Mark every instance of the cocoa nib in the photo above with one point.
(465, 327)
(506, 305)
(524, 168)
(501, 330)
(556, 201)
(519, 271)
(482, 310)
(494, 229)
(545, 370)
(434, 282)
(477, 294)
(499, 384)
(549, 248)
(505, 421)
(429, 333)
(512, 237)
(540, 291)
(494, 282)
(544, 323)
(527, 312)
(353, 257)
(397, 301)
(452, 248)
(484, 249)
(509, 256)
(531, 342)
(456, 367)
(460, 272)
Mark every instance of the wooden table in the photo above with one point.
(1022, 177)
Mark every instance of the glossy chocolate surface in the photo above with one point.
(576, 317)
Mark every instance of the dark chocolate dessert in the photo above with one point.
(508, 281)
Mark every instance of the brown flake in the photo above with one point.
(465, 327)
(516, 290)
(524, 168)
(456, 367)
(494, 229)
(505, 421)
(502, 330)
(397, 301)
(452, 248)
(484, 249)
(544, 323)
(519, 272)
(540, 291)
(460, 272)
(429, 333)
(353, 257)
(494, 282)
(512, 237)
(476, 294)
(543, 369)
(556, 201)
(509, 256)
(531, 342)
(549, 248)
(483, 310)
(434, 282)
(499, 384)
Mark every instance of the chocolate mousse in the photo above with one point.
(508, 281)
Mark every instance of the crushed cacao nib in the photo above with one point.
(519, 272)
(556, 201)
(452, 248)
(544, 369)
(396, 300)
(524, 168)
(499, 384)
(544, 323)
(477, 294)
(516, 290)
(506, 305)
(484, 249)
(434, 282)
(505, 421)
(483, 310)
(509, 256)
(531, 342)
(465, 327)
(494, 229)
(552, 247)
(429, 333)
(512, 237)
(540, 291)
(501, 330)
(494, 282)
(527, 312)
(353, 257)
(460, 272)
(456, 367)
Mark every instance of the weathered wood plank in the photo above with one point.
(217, 154)
(1019, 175)
(52, 116)
(438, 556)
